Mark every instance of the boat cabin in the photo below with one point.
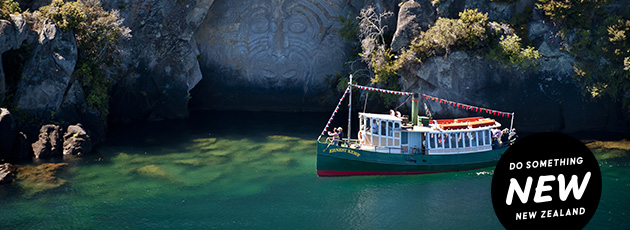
(391, 133)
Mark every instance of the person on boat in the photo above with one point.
(512, 136)
(335, 136)
(374, 127)
(340, 135)
(496, 137)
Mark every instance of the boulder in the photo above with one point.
(413, 17)
(8, 132)
(7, 173)
(76, 141)
(22, 149)
(49, 143)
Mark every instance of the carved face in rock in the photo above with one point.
(273, 43)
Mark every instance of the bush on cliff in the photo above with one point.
(471, 31)
(8, 7)
(97, 32)
(598, 38)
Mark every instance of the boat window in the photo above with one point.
(404, 138)
(473, 139)
(374, 126)
(447, 140)
(390, 129)
(480, 138)
(367, 125)
(431, 140)
(466, 137)
(453, 138)
(460, 140)
(397, 125)
(383, 128)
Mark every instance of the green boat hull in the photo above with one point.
(342, 161)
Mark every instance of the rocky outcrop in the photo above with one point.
(413, 17)
(13, 144)
(8, 133)
(12, 35)
(47, 73)
(49, 143)
(161, 59)
(7, 173)
(76, 141)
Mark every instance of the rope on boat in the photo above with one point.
(426, 97)
(443, 101)
(335, 112)
(382, 90)
(468, 107)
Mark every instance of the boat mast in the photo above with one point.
(415, 103)
(349, 132)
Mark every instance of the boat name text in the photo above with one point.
(340, 150)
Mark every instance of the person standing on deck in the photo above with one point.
(340, 135)
(335, 136)
(374, 127)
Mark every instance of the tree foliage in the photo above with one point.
(8, 7)
(572, 14)
(599, 42)
(471, 31)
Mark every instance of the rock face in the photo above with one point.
(12, 34)
(49, 143)
(8, 133)
(543, 100)
(269, 55)
(413, 17)
(161, 59)
(76, 141)
(47, 73)
(7, 173)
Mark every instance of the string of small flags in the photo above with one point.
(335, 112)
(467, 107)
(382, 90)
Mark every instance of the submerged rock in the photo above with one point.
(76, 141)
(49, 143)
(40, 178)
(7, 173)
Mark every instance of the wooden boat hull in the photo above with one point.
(342, 161)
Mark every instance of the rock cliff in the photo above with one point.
(269, 55)
(277, 55)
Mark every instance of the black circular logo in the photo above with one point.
(547, 180)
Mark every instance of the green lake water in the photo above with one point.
(225, 170)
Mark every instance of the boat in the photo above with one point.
(391, 144)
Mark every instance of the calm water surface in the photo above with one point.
(257, 171)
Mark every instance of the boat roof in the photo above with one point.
(381, 116)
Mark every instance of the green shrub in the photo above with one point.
(510, 52)
(572, 14)
(8, 7)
